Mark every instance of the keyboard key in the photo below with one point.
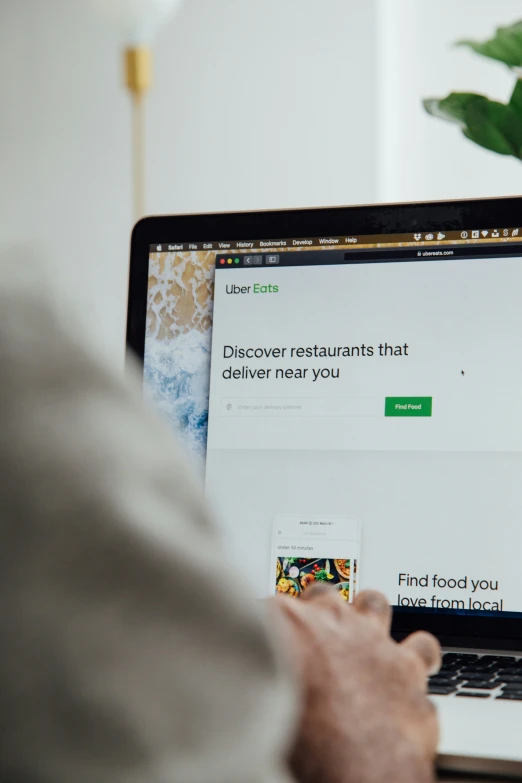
(512, 687)
(450, 664)
(440, 690)
(473, 695)
(508, 663)
(483, 685)
(509, 678)
(442, 683)
(497, 660)
(451, 657)
(444, 675)
(474, 676)
(511, 696)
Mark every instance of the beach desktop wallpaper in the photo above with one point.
(178, 343)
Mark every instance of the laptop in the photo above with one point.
(347, 382)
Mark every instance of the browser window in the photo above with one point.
(365, 416)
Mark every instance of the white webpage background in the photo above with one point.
(446, 513)
(439, 495)
(458, 315)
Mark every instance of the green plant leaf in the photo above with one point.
(505, 46)
(452, 108)
(495, 126)
(516, 97)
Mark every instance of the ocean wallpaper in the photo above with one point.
(178, 343)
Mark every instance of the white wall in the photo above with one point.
(422, 157)
(257, 103)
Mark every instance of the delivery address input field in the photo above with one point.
(301, 406)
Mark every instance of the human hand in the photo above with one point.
(366, 717)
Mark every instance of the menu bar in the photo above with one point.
(346, 241)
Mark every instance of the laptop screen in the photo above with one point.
(355, 406)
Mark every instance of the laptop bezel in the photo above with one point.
(453, 629)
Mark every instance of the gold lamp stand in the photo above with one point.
(138, 77)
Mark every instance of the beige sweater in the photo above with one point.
(127, 653)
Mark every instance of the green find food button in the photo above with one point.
(408, 406)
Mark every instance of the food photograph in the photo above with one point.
(295, 574)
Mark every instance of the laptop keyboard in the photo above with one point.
(478, 677)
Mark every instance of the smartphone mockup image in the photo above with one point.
(311, 549)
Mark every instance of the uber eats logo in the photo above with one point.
(257, 288)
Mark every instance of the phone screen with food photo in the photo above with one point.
(311, 549)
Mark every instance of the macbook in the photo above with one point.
(347, 383)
